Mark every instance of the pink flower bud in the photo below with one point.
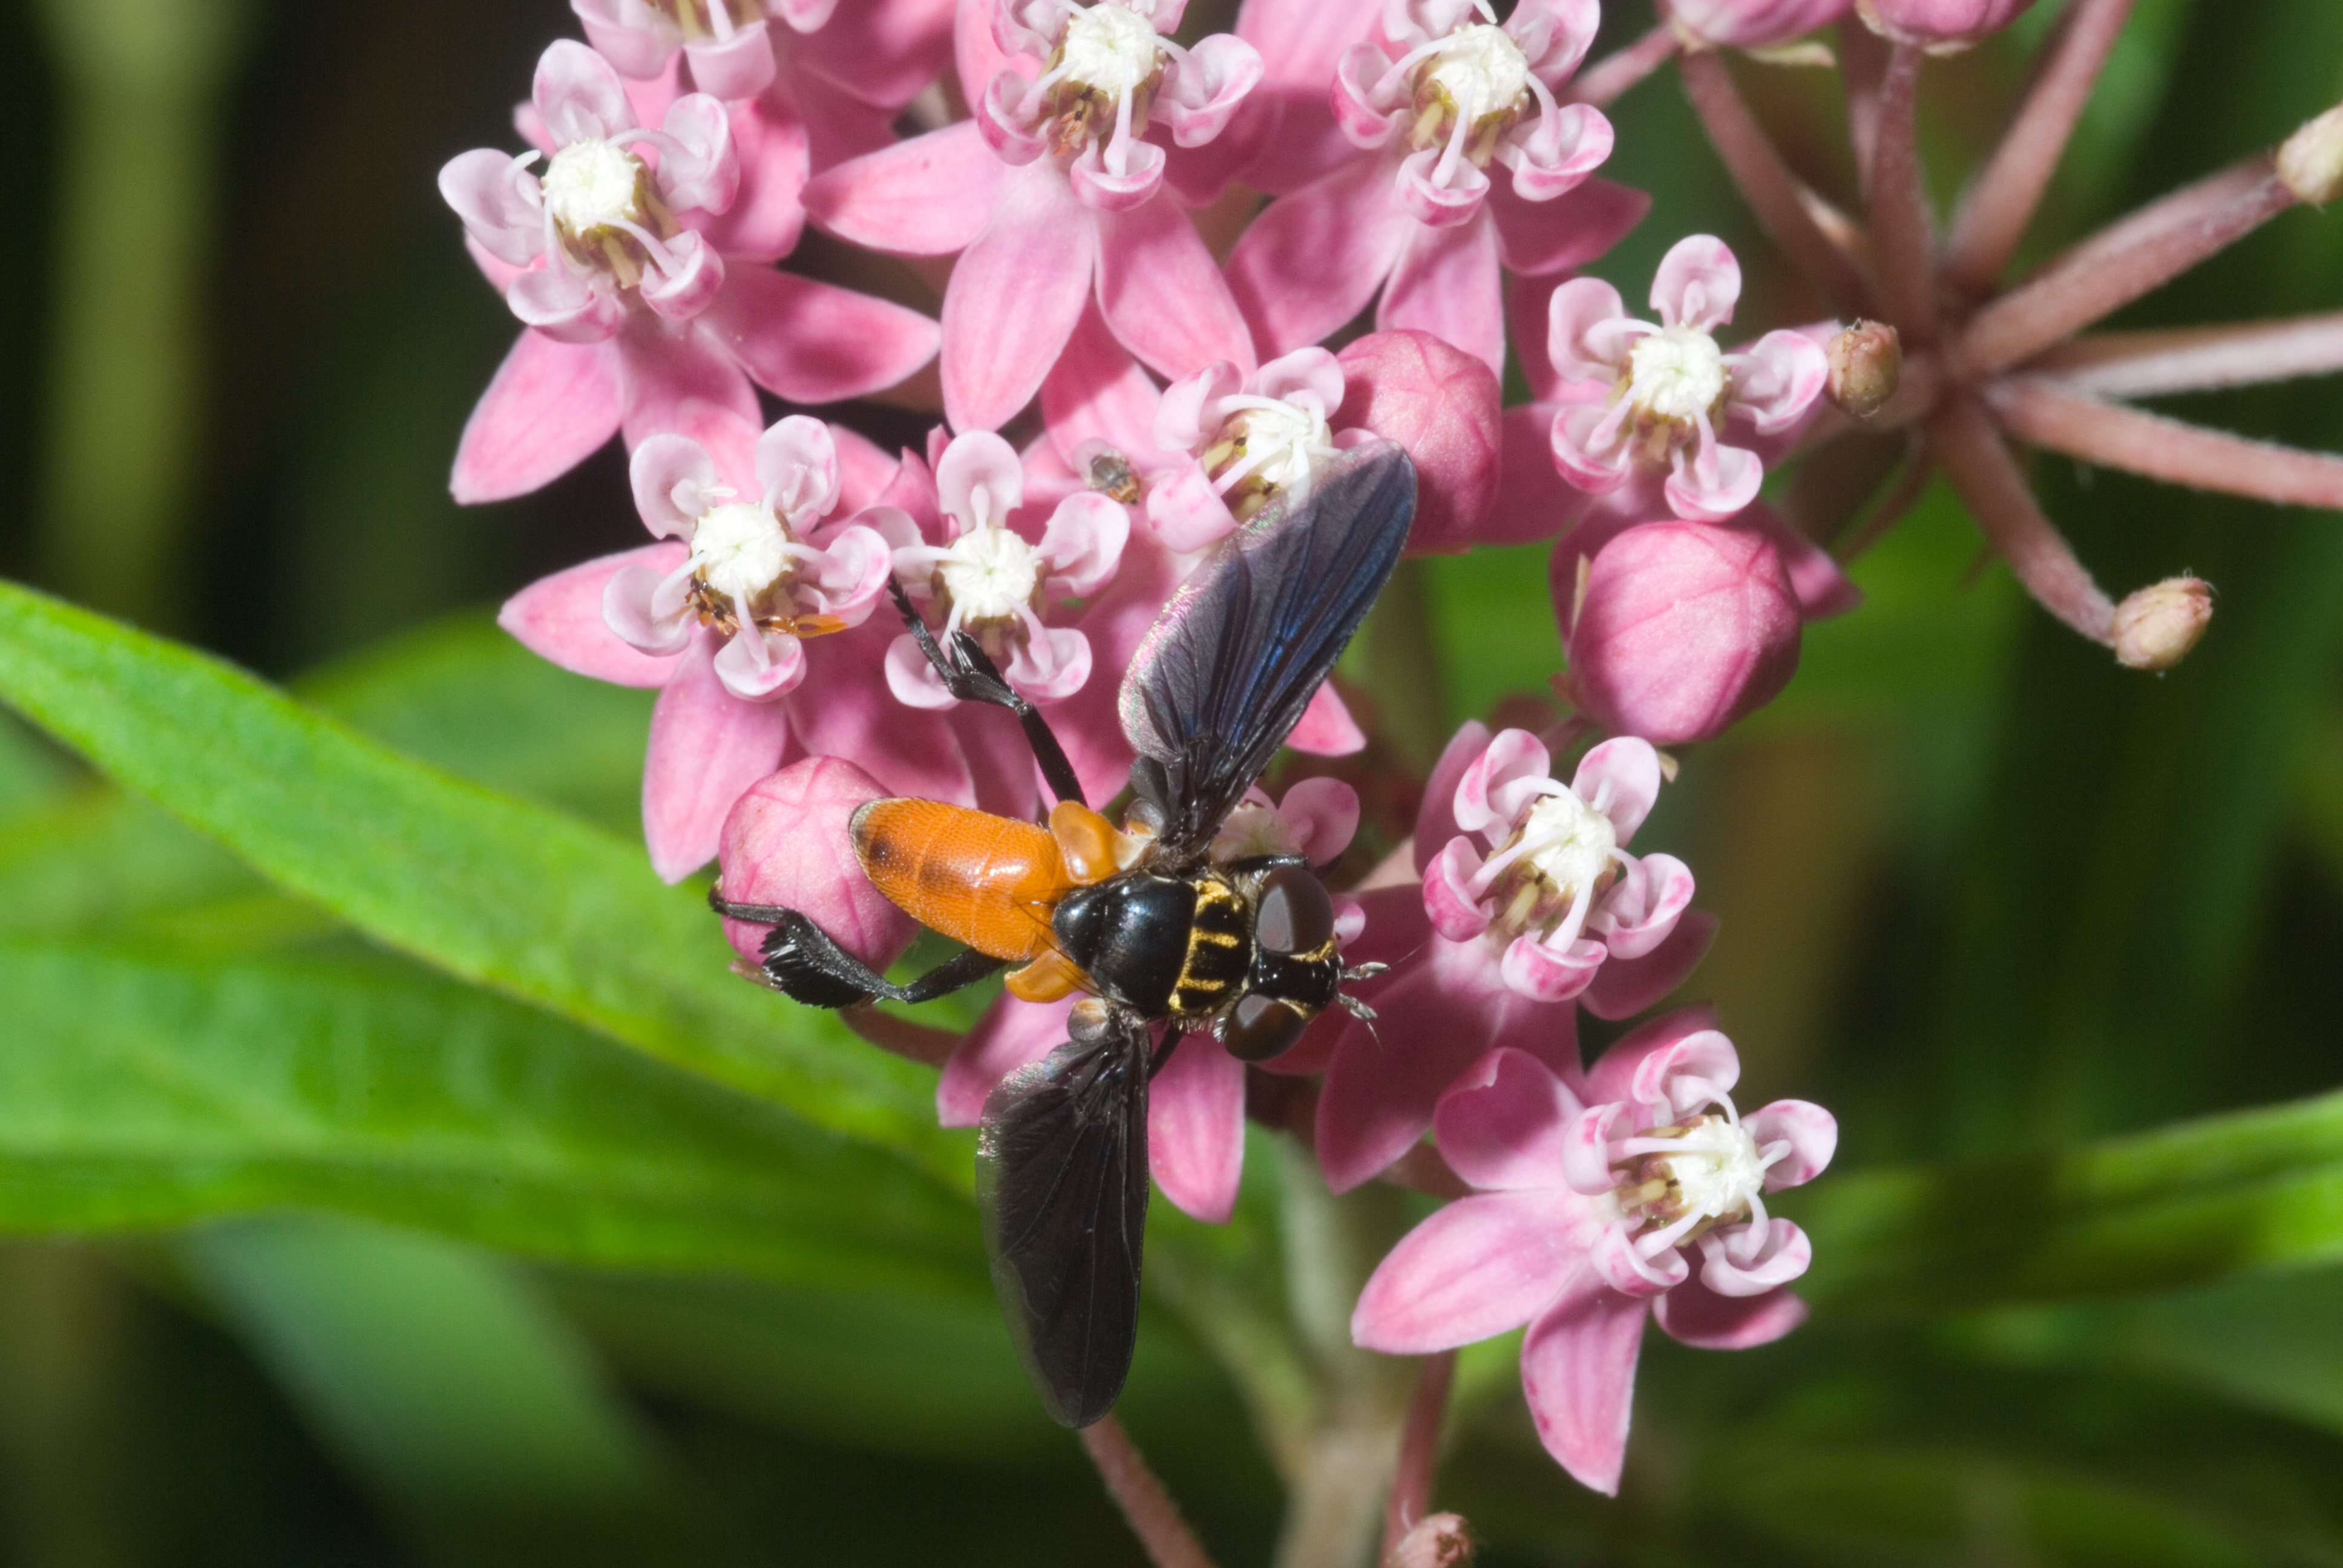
(786, 843)
(1866, 360)
(1441, 403)
(1941, 26)
(2310, 161)
(1438, 1540)
(1752, 24)
(1682, 628)
(2156, 628)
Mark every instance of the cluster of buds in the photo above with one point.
(1432, 164)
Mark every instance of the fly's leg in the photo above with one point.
(969, 674)
(804, 964)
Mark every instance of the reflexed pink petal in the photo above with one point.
(1532, 502)
(1697, 284)
(1435, 819)
(786, 842)
(1811, 1132)
(1449, 902)
(548, 407)
(1480, 1266)
(930, 196)
(579, 95)
(1625, 774)
(1015, 298)
(734, 67)
(864, 470)
(1327, 728)
(1441, 403)
(1097, 392)
(1822, 588)
(1312, 260)
(883, 51)
(845, 710)
(1545, 236)
(1694, 1315)
(559, 619)
(675, 376)
(1625, 987)
(817, 343)
(1010, 1034)
(1195, 1128)
(1445, 282)
(707, 748)
(1613, 1076)
(1501, 1125)
(1578, 1372)
(1163, 293)
(1780, 1253)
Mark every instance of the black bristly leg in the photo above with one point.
(1163, 1058)
(804, 964)
(969, 674)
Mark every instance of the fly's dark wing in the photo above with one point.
(1236, 656)
(1062, 1184)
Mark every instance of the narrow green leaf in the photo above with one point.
(2225, 1195)
(510, 895)
(139, 1092)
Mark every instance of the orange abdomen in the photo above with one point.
(986, 880)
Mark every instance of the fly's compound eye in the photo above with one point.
(1260, 1026)
(1294, 915)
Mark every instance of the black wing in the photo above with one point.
(1062, 1184)
(1236, 656)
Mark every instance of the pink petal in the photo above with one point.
(1208, 88)
(1445, 283)
(883, 51)
(767, 218)
(1694, 1315)
(672, 477)
(845, 709)
(1781, 1253)
(1441, 403)
(930, 196)
(1480, 1266)
(699, 168)
(1097, 392)
(1625, 774)
(1786, 372)
(1697, 284)
(1015, 298)
(480, 187)
(1327, 728)
(1822, 588)
(1578, 1372)
(864, 470)
(735, 67)
(579, 95)
(1322, 815)
(559, 618)
(1010, 1034)
(1449, 902)
(1184, 511)
(786, 842)
(1811, 1132)
(1501, 1125)
(1503, 779)
(1586, 330)
(817, 343)
(1163, 295)
(977, 54)
(707, 748)
(979, 460)
(1625, 987)
(548, 407)
(1532, 502)
(1613, 1076)
(1084, 541)
(1713, 491)
(758, 666)
(1641, 909)
(1573, 230)
(1312, 260)
(1545, 973)
(1435, 820)
(676, 376)
(1195, 1128)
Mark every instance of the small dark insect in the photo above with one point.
(1146, 923)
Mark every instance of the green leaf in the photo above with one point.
(139, 1092)
(513, 896)
(2224, 1195)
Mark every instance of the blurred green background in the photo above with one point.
(1983, 893)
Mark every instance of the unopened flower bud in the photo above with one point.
(1682, 628)
(2310, 161)
(1750, 23)
(787, 842)
(1866, 360)
(1438, 1540)
(2156, 628)
(1940, 27)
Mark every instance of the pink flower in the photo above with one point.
(1641, 1187)
(1940, 25)
(1557, 910)
(754, 576)
(1752, 24)
(633, 311)
(1676, 629)
(995, 583)
(1671, 387)
(1053, 193)
(1246, 438)
(1414, 212)
(1195, 1109)
(708, 742)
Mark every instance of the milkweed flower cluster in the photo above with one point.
(1115, 401)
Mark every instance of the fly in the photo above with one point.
(1145, 922)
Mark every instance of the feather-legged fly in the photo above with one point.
(1145, 921)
